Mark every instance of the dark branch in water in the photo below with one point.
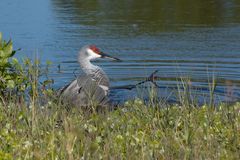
(151, 78)
(59, 68)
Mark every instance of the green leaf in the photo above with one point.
(12, 54)
(22, 88)
(47, 82)
(1, 53)
(15, 61)
(8, 77)
(11, 84)
(4, 62)
(8, 49)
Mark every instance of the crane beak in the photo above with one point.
(104, 55)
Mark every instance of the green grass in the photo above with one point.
(134, 131)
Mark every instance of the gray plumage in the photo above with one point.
(92, 87)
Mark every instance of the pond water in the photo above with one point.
(197, 39)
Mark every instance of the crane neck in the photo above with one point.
(88, 67)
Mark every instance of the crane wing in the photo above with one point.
(84, 91)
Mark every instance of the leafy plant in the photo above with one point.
(12, 77)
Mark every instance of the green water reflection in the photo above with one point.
(151, 15)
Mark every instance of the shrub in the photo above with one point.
(12, 77)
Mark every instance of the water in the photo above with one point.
(181, 38)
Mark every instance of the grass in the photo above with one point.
(135, 131)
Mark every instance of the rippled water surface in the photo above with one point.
(197, 39)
